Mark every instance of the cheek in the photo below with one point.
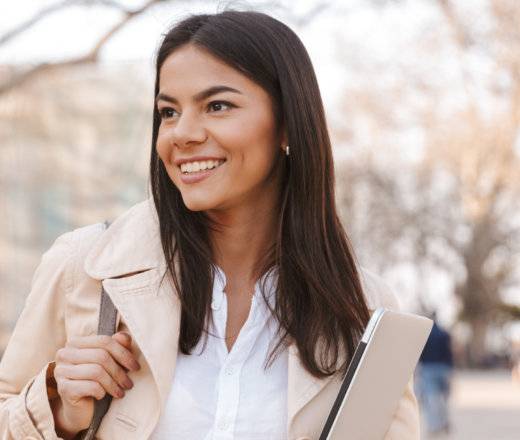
(163, 148)
(255, 138)
(260, 156)
(253, 164)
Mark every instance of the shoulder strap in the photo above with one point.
(106, 326)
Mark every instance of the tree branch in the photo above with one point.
(41, 14)
(90, 57)
(35, 19)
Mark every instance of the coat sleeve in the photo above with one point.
(29, 357)
(405, 424)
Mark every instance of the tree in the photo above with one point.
(458, 208)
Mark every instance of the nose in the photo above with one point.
(189, 130)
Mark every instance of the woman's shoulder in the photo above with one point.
(377, 291)
(71, 247)
(80, 239)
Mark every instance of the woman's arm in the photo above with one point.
(25, 368)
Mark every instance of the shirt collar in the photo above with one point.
(269, 278)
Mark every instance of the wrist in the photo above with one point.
(62, 427)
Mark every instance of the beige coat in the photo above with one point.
(64, 302)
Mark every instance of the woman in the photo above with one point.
(239, 298)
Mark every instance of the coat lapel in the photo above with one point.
(128, 258)
(152, 314)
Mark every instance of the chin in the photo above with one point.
(198, 204)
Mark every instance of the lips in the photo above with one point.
(197, 176)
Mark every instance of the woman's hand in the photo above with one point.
(87, 368)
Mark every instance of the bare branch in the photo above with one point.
(462, 37)
(128, 16)
(462, 42)
(40, 15)
(35, 19)
(114, 5)
(90, 57)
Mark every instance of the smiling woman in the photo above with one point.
(239, 298)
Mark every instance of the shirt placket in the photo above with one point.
(231, 367)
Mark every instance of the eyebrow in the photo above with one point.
(204, 94)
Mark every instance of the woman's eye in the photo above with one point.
(166, 112)
(217, 105)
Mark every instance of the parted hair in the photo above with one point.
(320, 305)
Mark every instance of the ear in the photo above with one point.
(283, 140)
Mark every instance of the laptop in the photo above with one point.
(377, 375)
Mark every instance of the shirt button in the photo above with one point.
(223, 424)
(229, 371)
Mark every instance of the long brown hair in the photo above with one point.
(320, 305)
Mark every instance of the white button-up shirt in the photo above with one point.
(221, 395)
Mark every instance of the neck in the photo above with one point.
(244, 237)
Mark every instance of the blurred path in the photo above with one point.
(485, 405)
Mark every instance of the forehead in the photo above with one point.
(190, 69)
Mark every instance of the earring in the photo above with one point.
(287, 150)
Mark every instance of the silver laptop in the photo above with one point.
(377, 375)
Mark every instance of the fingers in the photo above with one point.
(120, 353)
(75, 390)
(93, 366)
(90, 373)
(79, 356)
(123, 338)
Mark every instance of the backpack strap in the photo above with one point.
(106, 326)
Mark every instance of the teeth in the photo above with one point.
(193, 167)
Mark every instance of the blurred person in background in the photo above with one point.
(515, 361)
(433, 379)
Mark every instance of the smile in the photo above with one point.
(194, 167)
(193, 172)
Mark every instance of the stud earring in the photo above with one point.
(287, 150)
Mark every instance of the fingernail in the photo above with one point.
(128, 383)
(120, 393)
(135, 365)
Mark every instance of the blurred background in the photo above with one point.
(423, 105)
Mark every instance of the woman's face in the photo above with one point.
(214, 116)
